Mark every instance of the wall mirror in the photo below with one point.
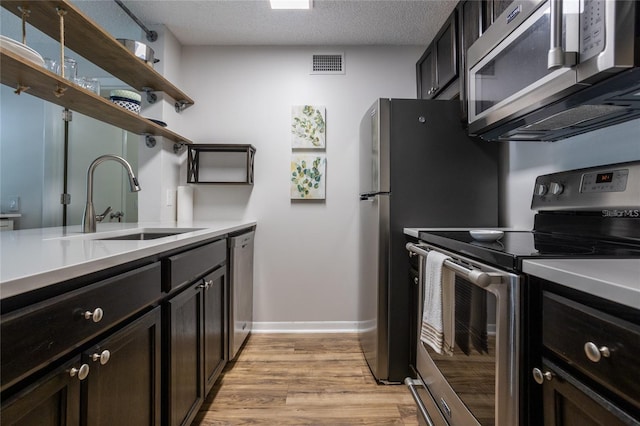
(42, 156)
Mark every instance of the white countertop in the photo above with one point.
(617, 280)
(34, 258)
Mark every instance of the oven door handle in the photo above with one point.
(479, 278)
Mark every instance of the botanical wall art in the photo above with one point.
(308, 176)
(308, 127)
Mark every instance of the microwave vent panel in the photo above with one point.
(574, 117)
(328, 63)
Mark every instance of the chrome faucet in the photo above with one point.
(90, 218)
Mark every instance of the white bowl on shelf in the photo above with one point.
(486, 234)
(22, 50)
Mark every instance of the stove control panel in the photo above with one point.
(615, 186)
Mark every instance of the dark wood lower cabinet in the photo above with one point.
(123, 387)
(184, 379)
(195, 344)
(568, 402)
(215, 326)
(52, 401)
(120, 352)
(123, 390)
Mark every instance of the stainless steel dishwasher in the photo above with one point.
(241, 290)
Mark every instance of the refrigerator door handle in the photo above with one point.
(372, 195)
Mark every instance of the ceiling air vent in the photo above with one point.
(327, 63)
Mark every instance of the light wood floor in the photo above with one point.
(304, 379)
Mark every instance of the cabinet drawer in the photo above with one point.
(186, 267)
(569, 326)
(34, 336)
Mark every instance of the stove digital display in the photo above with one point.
(604, 177)
(613, 181)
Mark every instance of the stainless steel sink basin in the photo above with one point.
(143, 236)
(150, 234)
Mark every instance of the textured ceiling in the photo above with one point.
(329, 22)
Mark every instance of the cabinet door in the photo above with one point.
(185, 352)
(123, 387)
(447, 54)
(215, 325)
(470, 27)
(494, 9)
(426, 73)
(52, 401)
(568, 402)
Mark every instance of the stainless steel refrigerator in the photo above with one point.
(418, 169)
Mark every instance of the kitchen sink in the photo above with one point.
(150, 234)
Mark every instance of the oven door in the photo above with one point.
(509, 69)
(477, 384)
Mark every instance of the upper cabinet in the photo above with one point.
(85, 37)
(438, 66)
(472, 24)
(494, 8)
(441, 71)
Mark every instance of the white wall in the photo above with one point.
(527, 160)
(159, 166)
(306, 252)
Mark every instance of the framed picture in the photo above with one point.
(308, 176)
(308, 127)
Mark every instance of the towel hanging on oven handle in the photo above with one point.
(475, 276)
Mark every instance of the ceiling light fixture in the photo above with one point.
(290, 4)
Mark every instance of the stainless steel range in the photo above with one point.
(476, 371)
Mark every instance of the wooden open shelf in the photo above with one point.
(85, 37)
(18, 72)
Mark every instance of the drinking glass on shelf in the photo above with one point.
(92, 84)
(70, 69)
(52, 65)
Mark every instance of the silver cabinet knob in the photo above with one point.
(595, 353)
(95, 316)
(103, 357)
(81, 372)
(540, 377)
(415, 280)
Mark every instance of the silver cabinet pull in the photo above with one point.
(95, 316)
(416, 280)
(103, 357)
(81, 372)
(206, 284)
(540, 377)
(595, 353)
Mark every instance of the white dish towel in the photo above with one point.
(437, 326)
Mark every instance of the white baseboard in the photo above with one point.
(305, 327)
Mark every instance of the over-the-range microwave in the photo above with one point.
(549, 69)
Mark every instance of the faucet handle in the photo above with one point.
(100, 217)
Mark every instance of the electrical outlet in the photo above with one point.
(171, 197)
(14, 204)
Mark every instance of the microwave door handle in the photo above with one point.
(557, 57)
